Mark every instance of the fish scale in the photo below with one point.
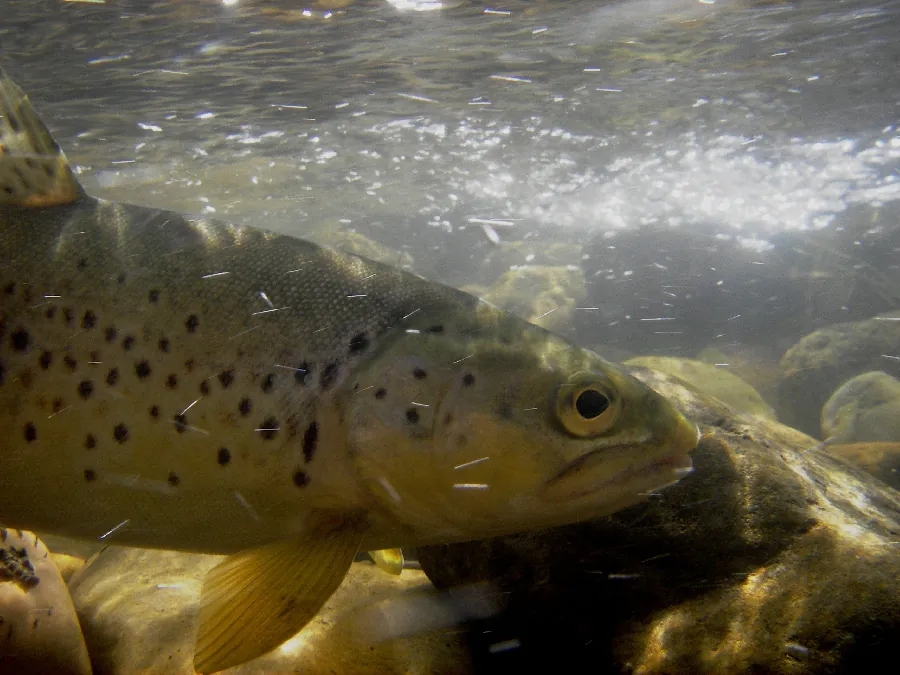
(184, 383)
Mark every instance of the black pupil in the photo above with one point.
(591, 403)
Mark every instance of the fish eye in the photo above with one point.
(587, 407)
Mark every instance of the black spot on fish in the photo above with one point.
(110, 334)
(329, 375)
(89, 320)
(50, 312)
(142, 369)
(10, 288)
(302, 373)
(30, 432)
(172, 381)
(269, 428)
(20, 340)
(412, 416)
(419, 374)
(245, 406)
(112, 376)
(180, 423)
(204, 387)
(68, 316)
(173, 479)
(435, 329)
(120, 433)
(70, 362)
(189, 365)
(310, 440)
(90, 442)
(468, 380)
(128, 343)
(122, 278)
(358, 343)
(301, 479)
(380, 393)
(45, 360)
(163, 345)
(154, 411)
(90, 475)
(226, 378)
(223, 457)
(153, 296)
(191, 323)
(268, 383)
(85, 389)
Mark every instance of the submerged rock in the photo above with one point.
(824, 360)
(711, 380)
(864, 408)
(773, 556)
(138, 609)
(39, 632)
(882, 460)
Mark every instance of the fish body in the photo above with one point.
(184, 383)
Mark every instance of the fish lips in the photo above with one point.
(609, 474)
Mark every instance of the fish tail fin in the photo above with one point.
(34, 171)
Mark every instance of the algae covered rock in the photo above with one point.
(773, 557)
(865, 408)
(822, 361)
(39, 631)
(882, 460)
(138, 609)
(712, 380)
(544, 295)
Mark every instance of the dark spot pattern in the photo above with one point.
(30, 432)
(163, 345)
(180, 423)
(468, 380)
(226, 378)
(380, 393)
(329, 375)
(172, 381)
(269, 428)
(10, 288)
(45, 360)
(204, 387)
(302, 373)
(173, 479)
(245, 406)
(90, 475)
(89, 320)
(154, 411)
(301, 479)
(70, 362)
(268, 383)
(223, 457)
(435, 329)
(419, 374)
(112, 377)
(358, 343)
(81, 264)
(142, 369)
(120, 433)
(128, 343)
(110, 334)
(20, 340)
(85, 389)
(121, 278)
(310, 441)
(192, 323)
(90, 442)
(50, 312)
(68, 316)
(412, 416)
(153, 296)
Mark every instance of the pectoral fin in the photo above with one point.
(254, 600)
(389, 560)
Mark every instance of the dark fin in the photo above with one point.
(34, 172)
(389, 560)
(253, 601)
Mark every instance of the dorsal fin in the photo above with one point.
(34, 172)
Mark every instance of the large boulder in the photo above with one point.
(866, 408)
(39, 631)
(773, 556)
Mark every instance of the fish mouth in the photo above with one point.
(613, 473)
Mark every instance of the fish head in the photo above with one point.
(497, 426)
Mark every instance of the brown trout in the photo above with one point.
(183, 383)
